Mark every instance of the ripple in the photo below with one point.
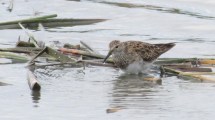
(161, 9)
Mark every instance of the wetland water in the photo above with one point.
(80, 94)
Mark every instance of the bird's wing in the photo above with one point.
(145, 51)
(150, 52)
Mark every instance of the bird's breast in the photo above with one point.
(138, 67)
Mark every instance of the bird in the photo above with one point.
(135, 56)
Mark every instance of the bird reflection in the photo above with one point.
(132, 91)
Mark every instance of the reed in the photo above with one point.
(53, 22)
(32, 19)
(15, 56)
(192, 75)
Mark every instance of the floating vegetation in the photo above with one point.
(82, 55)
(199, 69)
(47, 21)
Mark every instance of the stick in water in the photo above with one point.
(33, 82)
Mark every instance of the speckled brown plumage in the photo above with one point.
(125, 53)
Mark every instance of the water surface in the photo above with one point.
(77, 93)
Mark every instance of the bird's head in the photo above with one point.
(113, 43)
(113, 49)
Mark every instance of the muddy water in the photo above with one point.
(77, 93)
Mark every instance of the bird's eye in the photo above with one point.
(117, 46)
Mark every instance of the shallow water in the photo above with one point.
(77, 93)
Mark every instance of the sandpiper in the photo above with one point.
(135, 56)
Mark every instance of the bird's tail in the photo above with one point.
(165, 47)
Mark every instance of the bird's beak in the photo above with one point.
(108, 55)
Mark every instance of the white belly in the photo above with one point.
(138, 67)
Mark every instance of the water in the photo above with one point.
(77, 93)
